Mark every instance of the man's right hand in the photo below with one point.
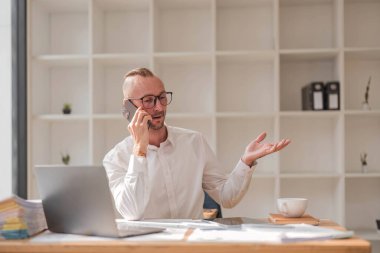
(139, 130)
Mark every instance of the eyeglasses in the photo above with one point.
(149, 101)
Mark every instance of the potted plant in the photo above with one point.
(363, 160)
(365, 104)
(65, 159)
(66, 108)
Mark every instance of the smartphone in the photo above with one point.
(129, 110)
(232, 222)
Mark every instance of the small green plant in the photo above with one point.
(66, 159)
(363, 159)
(366, 94)
(66, 108)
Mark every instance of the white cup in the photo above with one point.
(292, 207)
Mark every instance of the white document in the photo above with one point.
(169, 223)
(333, 101)
(280, 234)
(318, 100)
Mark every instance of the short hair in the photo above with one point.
(143, 72)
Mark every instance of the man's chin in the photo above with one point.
(156, 126)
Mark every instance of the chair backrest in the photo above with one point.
(209, 203)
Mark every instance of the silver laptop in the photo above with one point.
(77, 200)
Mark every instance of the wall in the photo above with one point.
(5, 100)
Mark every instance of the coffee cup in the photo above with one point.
(292, 207)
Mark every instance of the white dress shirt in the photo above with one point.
(170, 181)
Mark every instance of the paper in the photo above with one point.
(21, 218)
(169, 223)
(269, 234)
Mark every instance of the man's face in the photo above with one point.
(144, 86)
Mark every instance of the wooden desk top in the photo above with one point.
(354, 244)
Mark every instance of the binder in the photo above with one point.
(312, 96)
(331, 96)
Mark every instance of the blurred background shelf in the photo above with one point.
(236, 68)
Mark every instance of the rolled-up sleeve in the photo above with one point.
(129, 187)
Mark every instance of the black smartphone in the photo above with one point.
(128, 110)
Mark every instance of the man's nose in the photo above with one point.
(157, 105)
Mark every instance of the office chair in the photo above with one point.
(209, 203)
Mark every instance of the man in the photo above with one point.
(161, 171)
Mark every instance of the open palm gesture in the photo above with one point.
(257, 149)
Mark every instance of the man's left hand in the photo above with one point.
(256, 149)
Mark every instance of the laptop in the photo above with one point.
(77, 200)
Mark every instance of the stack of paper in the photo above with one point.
(270, 234)
(20, 218)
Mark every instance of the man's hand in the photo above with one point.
(139, 130)
(256, 149)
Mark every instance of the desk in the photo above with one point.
(354, 244)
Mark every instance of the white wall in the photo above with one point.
(5, 100)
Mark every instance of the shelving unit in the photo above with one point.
(236, 68)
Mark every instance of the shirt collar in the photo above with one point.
(169, 140)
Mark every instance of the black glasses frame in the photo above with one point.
(155, 99)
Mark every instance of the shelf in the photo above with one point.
(114, 58)
(107, 133)
(255, 203)
(308, 54)
(363, 175)
(108, 78)
(310, 175)
(55, 138)
(107, 116)
(298, 70)
(258, 55)
(308, 24)
(263, 175)
(238, 134)
(203, 125)
(249, 77)
(59, 82)
(189, 115)
(176, 22)
(232, 16)
(114, 20)
(321, 194)
(60, 27)
(195, 75)
(359, 135)
(362, 197)
(362, 53)
(62, 60)
(236, 68)
(374, 113)
(359, 66)
(314, 147)
(362, 23)
(190, 56)
(238, 115)
(62, 117)
(310, 114)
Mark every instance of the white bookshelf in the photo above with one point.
(236, 68)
